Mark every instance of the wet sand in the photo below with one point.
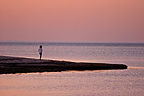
(26, 65)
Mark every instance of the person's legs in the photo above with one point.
(40, 56)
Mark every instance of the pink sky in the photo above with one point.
(72, 20)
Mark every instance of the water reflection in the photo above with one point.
(74, 83)
(135, 67)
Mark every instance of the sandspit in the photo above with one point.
(25, 65)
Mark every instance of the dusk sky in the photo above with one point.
(72, 20)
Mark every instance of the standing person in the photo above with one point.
(40, 50)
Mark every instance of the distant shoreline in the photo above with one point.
(10, 64)
(73, 43)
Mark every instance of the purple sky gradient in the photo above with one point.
(72, 20)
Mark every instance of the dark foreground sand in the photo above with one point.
(26, 65)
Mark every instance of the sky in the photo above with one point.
(72, 20)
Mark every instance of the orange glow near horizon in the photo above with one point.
(72, 20)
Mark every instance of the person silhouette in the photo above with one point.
(40, 50)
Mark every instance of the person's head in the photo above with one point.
(40, 46)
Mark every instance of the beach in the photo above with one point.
(71, 48)
(10, 64)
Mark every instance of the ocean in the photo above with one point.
(129, 82)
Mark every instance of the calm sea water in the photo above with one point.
(128, 82)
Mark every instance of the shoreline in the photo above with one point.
(10, 64)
